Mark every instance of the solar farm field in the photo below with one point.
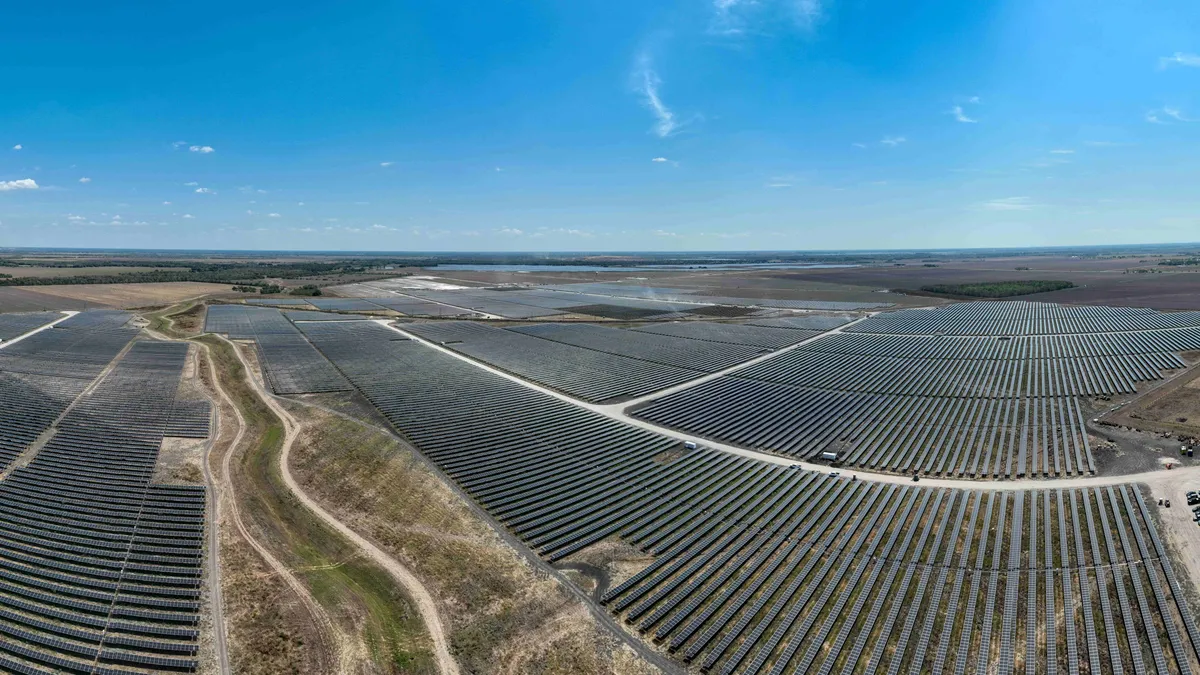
(290, 363)
(598, 363)
(764, 568)
(994, 390)
(100, 569)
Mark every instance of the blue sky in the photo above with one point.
(616, 125)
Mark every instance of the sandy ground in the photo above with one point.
(124, 295)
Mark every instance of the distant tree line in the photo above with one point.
(997, 289)
(240, 273)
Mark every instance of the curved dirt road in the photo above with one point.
(337, 641)
(420, 595)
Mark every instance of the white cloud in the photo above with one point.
(166, 203)
(204, 191)
(202, 149)
(859, 145)
(76, 219)
(1176, 113)
(779, 185)
(377, 226)
(1180, 59)
(1062, 152)
(660, 159)
(498, 169)
(738, 17)
(299, 203)
(190, 183)
(1152, 117)
(18, 146)
(664, 233)
(178, 144)
(386, 164)
(307, 229)
(960, 116)
(973, 99)
(510, 231)
(893, 141)
(647, 83)
(274, 215)
(20, 184)
(85, 179)
(1008, 204)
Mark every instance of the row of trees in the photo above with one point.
(220, 273)
(997, 289)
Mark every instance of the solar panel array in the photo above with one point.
(277, 302)
(16, 325)
(731, 333)
(1023, 318)
(584, 373)
(762, 568)
(700, 295)
(99, 568)
(697, 355)
(298, 315)
(344, 304)
(289, 362)
(189, 419)
(97, 318)
(597, 363)
(41, 375)
(935, 404)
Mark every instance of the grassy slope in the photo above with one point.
(356, 593)
(502, 615)
(359, 595)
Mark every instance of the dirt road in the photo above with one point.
(224, 485)
(420, 595)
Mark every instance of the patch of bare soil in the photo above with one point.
(179, 461)
(617, 558)
(501, 614)
(1173, 408)
(190, 321)
(129, 295)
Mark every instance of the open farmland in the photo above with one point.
(45, 272)
(123, 296)
(1136, 281)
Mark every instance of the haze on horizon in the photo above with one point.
(617, 126)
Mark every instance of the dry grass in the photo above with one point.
(129, 295)
(502, 615)
(269, 629)
(49, 272)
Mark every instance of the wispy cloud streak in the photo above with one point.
(647, 82)
(960, 116)
(1180, 59)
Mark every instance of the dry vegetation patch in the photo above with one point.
(129, 295)
(375, 625)
(269, 629)
(502, 615)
